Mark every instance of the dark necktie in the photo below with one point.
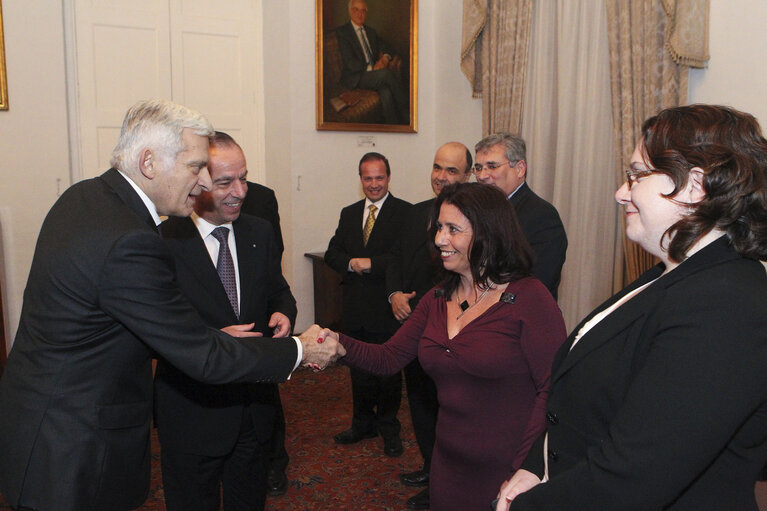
(225, 267)
(366, 46)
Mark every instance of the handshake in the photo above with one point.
(321, 347)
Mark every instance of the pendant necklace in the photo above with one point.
(464, 305)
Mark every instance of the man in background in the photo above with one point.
(261, 202)
(366, 58)
(360, 252)
(228, 267)
(101, 300)
(409, 276)
(501, 162)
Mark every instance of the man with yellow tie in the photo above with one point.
(360, 252)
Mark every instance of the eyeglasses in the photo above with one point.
(492, 165)
(633, 175)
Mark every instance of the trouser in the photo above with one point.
(278, 455)
(193, 482)
(375, 399)
(393, 98)
(422, 397)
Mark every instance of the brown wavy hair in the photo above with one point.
(729, 147)
(499, 251)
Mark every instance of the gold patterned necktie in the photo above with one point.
(371, 220)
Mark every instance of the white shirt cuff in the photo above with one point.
(300, 354)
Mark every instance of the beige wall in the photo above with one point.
(34, 154)
(736, 74)
(324, 164)
(34, 146)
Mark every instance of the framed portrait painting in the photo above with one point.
(367, 65)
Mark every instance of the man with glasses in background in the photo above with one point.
(500, 161)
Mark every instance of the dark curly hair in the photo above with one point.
(499, 250)
(729, 147)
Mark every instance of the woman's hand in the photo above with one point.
(520, 482)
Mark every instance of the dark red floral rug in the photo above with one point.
(323, 475)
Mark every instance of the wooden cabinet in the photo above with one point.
(327, 292)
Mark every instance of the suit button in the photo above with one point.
(553, 455)
(552, 417)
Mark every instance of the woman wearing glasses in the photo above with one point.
(486, 336)
(659, 397)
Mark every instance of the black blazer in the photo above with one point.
(352, 54)
(261, 202)
(76, 395)
(194, 417)
(412, 267)
(544, 231)
(365, 301)
(663, 404)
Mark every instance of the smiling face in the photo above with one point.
(229, 174)
(648, 213)
(453, 238)
(497, 170)
(449, 167)
(375, 182)
(176, 183)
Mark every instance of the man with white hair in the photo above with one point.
(101, 301)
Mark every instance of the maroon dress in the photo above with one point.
(492, 381)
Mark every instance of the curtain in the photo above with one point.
(494, 50)
(567, 125)
(577, 78)
(652, 43)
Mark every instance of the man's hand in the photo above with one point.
(382, 62)
(242, 330)
(321, 347)
(280, 324)
(360, 265)
(400, 305)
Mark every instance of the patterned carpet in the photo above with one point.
(323, 475)
(326, 476)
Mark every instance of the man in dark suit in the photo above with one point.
(409, 276)
(360, 252)
(366, 59)
(501, 162)
(261, 202)
(215, 436)
(100, 301)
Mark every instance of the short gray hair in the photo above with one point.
(514, 147)
(156, 124)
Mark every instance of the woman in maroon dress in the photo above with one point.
(487, 336)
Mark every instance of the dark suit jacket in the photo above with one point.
(365, 299)
(76, 395)
(411, 267)
(261, 202)
(205, 419)
(663, 404)
(352, 54)
(544, 231)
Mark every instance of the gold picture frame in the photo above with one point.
(3, 76)
(342, 104)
